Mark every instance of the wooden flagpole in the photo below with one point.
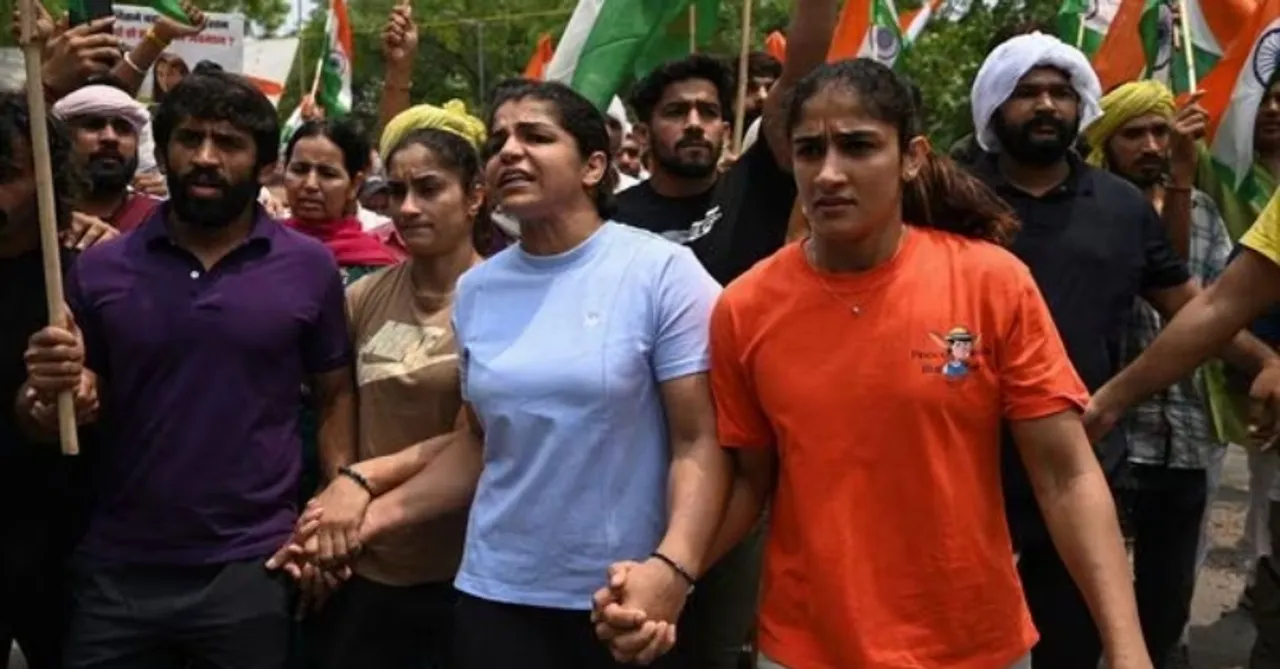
(693, 28)
(741, 117)
(50, 245)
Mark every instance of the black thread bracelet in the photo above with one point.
(356, 476)
(675, 566)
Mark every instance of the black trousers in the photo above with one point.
(42, 496)
(721, 613)
(367, 624)
(490, 635)
(232, 616)
(1266, 603)
(1165, 510)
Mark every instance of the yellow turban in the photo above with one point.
(1125, 103)
(452, 117)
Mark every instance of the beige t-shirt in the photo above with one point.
(409, 391)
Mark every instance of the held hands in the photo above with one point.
(636, 613)
(296, 558)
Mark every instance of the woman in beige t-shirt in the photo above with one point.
(396, 610)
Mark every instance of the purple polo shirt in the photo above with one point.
(202, 376)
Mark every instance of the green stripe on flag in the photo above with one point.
(631, 37)
(170, 8)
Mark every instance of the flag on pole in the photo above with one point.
(912, 22)
(542, 54)
(1084, 23)
(334, 93)
(867, 29)
(1214, 25)
(610, 42)
(1233, 92)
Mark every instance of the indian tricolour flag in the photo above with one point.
(912, 22)
(334, 88)
(609, 43)
(1084, 23)
(867, 29)
(1214, 25)
(1234, 90)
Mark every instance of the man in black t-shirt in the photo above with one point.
(730, 221)
(1093, 244)
(41, 493)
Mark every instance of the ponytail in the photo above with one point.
(945, 197)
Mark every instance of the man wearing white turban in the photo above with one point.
(1094, 244)
(106, 124)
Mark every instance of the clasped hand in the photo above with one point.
(636, 613)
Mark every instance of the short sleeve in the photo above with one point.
(1036, 376)
(740, 421)
(1264, 235)
(88, 320)
(326, 344)
(1162, 267)
(686, 295)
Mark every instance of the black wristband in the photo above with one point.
(356, 476)
(675, 566)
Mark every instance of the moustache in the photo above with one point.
(204, 178)
(1151, 160)
(694, 143)
(106, 155)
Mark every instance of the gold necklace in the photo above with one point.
(812, 258)
(822, 280)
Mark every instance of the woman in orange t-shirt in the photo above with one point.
(862, 378)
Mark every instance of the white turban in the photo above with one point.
(1012, 60)
(102, 101)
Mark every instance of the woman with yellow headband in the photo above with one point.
(396, 611)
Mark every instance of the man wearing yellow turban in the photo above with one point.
(1174, 442)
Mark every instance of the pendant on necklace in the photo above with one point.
(857, 311)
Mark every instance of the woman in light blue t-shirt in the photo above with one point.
(584, 357)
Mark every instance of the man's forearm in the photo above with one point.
(444, 485)
(337, 435)
(1176, 215)
(1081, 518)
(699, 483)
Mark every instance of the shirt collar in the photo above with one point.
(154, 231)
(1080, 179)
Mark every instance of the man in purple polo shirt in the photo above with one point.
(202, 326)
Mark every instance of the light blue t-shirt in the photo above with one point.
(562, 357)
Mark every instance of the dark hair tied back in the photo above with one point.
(941, 195)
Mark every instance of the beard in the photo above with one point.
(671, 162)
(1147, 171)
(210, 212)
(1018, 142)
(110, 173)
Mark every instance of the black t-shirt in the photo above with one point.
(28, 471)
(1094, 245)
(739, 222)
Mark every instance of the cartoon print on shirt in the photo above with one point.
(959, 345)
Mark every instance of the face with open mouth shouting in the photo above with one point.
(533, 164)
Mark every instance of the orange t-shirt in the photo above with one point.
(887, 543)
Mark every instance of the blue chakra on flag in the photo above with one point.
(338, 62)
(1266, 56)
(887, 44)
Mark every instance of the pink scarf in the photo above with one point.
(348, 241)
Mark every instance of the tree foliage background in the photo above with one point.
(469, 45)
